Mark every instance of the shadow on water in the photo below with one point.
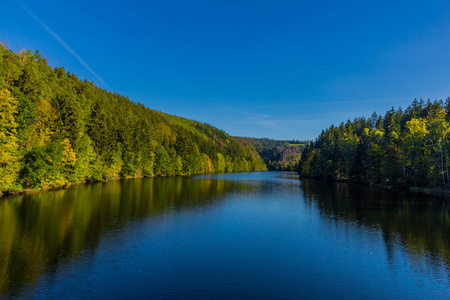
(39, 232)
(416, 224)
(44, 233)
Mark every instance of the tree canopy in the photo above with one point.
(404, 147)
(278, 155)
(56, 129)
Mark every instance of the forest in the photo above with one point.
(56, 129)
(278, 155)
(402, 148)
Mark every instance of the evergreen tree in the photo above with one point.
(56, 129)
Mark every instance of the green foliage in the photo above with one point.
(220, 163)
(278, 155)
(56, 129)
(162, 162)
(408, 147)
(9, 155)
(43, 166)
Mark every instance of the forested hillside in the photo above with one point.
(404, 147)
(278, 155)
(56, 129)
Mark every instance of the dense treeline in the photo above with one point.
(56, 129)
(278, 155)
(404, 147)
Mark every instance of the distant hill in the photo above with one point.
(278, 155)
(56, 129)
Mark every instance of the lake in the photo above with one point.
(247, 235)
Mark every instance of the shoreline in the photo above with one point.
(429, 191)
(4, 195)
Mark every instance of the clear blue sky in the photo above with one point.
(277, 69)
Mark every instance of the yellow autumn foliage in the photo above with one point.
(9, 156)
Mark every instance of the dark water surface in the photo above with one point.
(249, 235)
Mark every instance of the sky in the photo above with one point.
(277, 69)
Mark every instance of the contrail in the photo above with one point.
(63, 43)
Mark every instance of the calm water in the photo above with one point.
(249, 235)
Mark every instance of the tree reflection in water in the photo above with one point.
(412, 225)
(40, 231)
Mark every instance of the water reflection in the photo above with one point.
(412, 225)
(237, 235)
(40, 231)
